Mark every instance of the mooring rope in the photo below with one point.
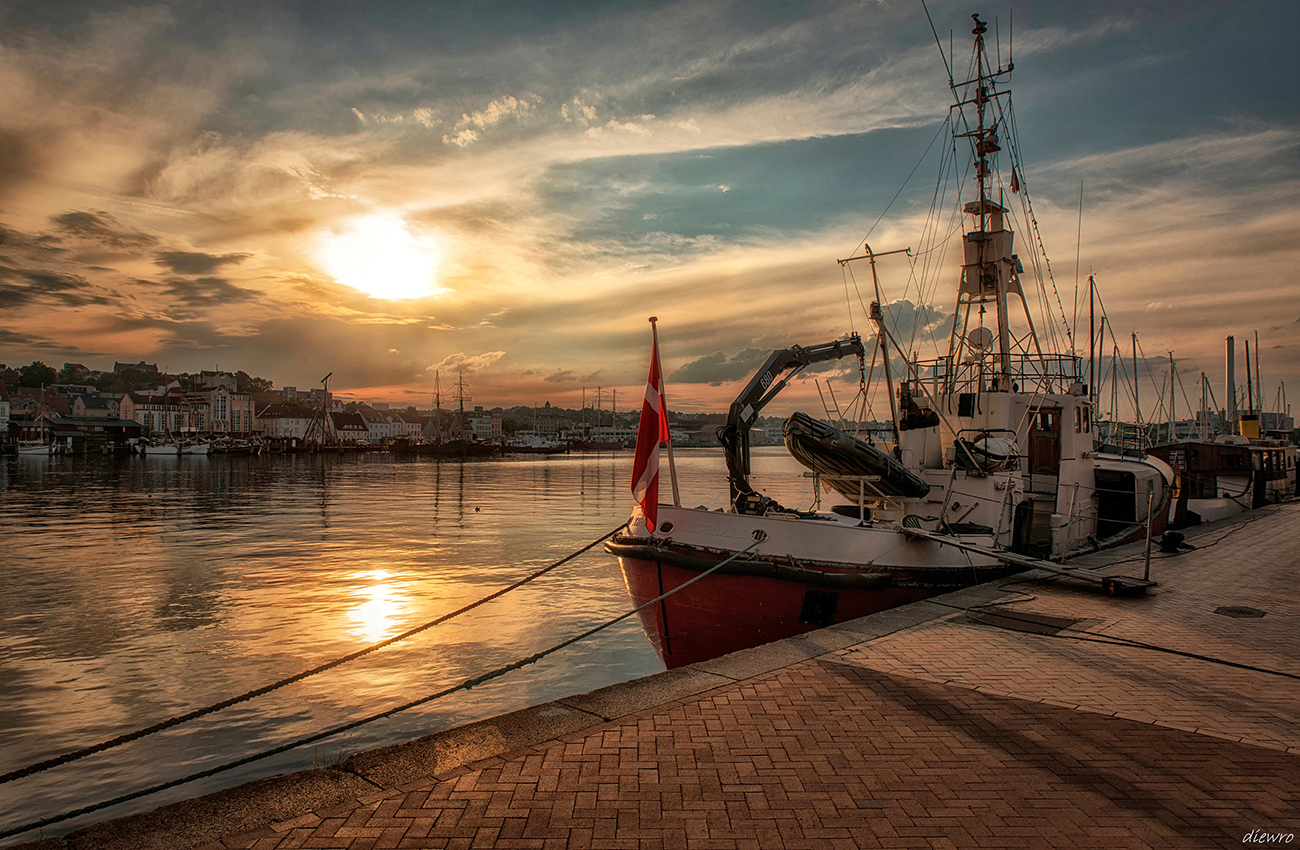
(465, 685)
(297, 677)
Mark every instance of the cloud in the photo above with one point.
(564, 376)
(717, 369)
(102, 229)
(462, 138)
(468, 364)
(208, 292)
(23, 287)
(578, 112)
(8, 338)
(193, 262)
(466, 130)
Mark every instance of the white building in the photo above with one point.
(484, 425)
(285, 420)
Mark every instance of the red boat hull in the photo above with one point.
(726, 613)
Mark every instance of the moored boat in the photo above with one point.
(535, 444)
(991, 461)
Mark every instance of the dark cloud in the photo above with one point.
(208, 292)
(717, 369)
(102, 229)
(15, 242)
(564, 376)
(12, 338)
(21, 287)
(195, 262)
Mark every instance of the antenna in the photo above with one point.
(1011, 39)
(938, 43)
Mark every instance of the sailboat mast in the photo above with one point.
(1259, 380)
(437, 405)
(1205, 414)
(1250, 386)
(1173, 399)
(1137, 405)
(1092, 338)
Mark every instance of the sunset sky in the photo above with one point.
(383, 190)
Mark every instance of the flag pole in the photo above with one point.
(663, 405)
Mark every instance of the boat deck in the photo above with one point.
(1052, 719)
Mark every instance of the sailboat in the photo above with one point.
(991, 465)
(467, 444)
(41, 447)
(587, 443)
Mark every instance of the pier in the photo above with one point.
(1034, 711)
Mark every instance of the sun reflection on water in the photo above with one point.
(382, 605)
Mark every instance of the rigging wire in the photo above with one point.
(884, 212)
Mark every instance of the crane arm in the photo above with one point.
(781, 366)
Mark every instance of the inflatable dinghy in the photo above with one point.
(829, 452)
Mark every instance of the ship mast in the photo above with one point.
(990, 269)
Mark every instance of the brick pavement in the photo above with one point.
(823, 754)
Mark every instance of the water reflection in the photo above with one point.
(382, 608)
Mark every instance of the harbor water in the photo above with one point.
(136, 589)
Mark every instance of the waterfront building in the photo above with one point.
(4, 415)
(93, 434)
(345, 427)
(412, 423)
(96, 407)
(285, 420)
(158, 415)
(222, 410)
(484, 425)
(381, 425)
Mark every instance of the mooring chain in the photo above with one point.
(226, 703)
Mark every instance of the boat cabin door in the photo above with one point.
(1045, 441)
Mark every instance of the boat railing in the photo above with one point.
(1046, 373)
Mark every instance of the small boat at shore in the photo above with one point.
(535, 444)
(991, 462)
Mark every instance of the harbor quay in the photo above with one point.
(1033, 711)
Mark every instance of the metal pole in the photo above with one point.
(1151, 498)
(663, 405)
(1259, 384)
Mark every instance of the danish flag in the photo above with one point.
(652, 430)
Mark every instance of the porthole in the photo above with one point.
(665, 527)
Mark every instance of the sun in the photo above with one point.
(379, 256)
